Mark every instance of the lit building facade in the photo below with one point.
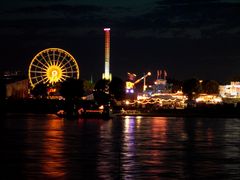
(18, 89)
(230, 91)
(209, 99)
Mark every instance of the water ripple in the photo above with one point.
(47, 147)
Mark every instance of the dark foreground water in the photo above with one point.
(47, 147)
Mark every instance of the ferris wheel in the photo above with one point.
(52, 65)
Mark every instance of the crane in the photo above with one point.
(130, 85)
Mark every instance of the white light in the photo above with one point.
(101, 107)
(106, 29)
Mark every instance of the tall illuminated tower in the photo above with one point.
(107, 75)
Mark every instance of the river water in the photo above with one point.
(37, 146)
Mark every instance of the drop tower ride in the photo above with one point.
(107, 75)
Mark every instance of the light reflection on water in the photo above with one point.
(53, 150)
(47, 147)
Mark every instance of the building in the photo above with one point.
(230, 91)
(18, 89)
(12, 83)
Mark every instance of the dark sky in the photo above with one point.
(188, 38)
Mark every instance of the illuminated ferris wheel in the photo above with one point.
(52, 65)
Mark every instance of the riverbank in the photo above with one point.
(218, 111)
(48, 106)
(185, 113)
(43, 106)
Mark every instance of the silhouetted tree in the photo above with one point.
(102, 85)
(2, 89)
(71, 90)
(117, 88)
(40, 90)
(88, 87)
(235, 78)
(210, 87)
(176, 85)
(101, 92)
(191, 88)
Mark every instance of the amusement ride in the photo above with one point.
(52, 65)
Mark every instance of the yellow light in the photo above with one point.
(52, 65)
(209, 99)
(129, 85)
(54, 73)
(101, 107)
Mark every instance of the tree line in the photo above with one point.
(105, 91)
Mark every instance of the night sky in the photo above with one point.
(188, 38)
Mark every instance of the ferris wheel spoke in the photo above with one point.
(39, 72)
(45, 60)
(67, 70)
(37, 78)
(59, 55)
(41, 63)
(43, 80)
(47, 81)
(70, 72)
(54, 60)
(49, 58)
(69, 67)
(62, 79)
(66, 76)
(40, 76)
(60, 64)
(38, 67)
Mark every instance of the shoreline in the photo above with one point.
(52, 106)
(206, 113)
(179, 115)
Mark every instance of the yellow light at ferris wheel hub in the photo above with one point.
(54, 73)
(52, 65)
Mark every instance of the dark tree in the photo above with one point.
(72, 88)
(235, 78)
(2, 89)
(88, 87)
(191, 87)
(39, 91)
(101, 92)
(117, 88)
(210, 87)
(102, 85)
(176, 85)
